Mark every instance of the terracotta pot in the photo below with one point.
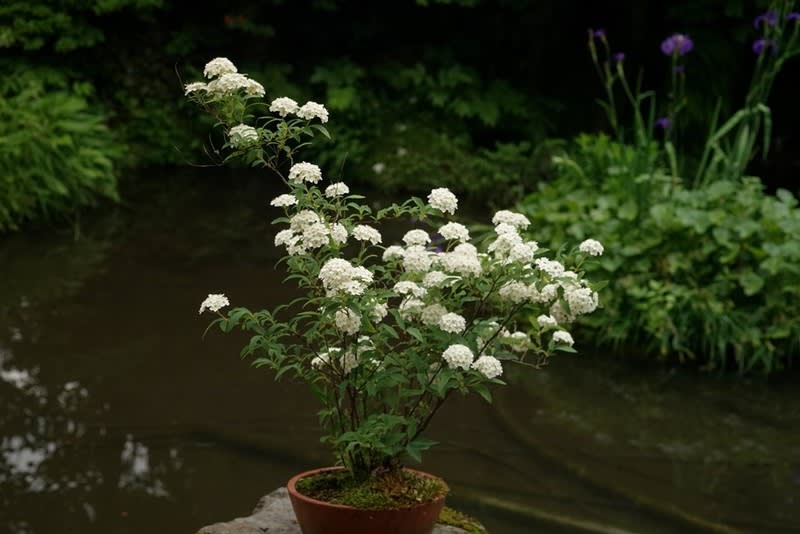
(319, 517)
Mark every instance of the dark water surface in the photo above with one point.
(117, 417)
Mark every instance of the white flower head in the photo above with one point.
(416, 237)
(339, 276)
(362, 232)
(410, 307)
(443, 199)
(455, 231)
(338, 233)
(242, 135)
(312, 110)
(337, 189)
(283, 201)
(230, 83)
(219, 66)
(407, 287)
(283, 106)
(214, 302)
(435, 279)
(315, 235)
(488, 366)
(563, 337)
(514, 292)
(284, 237)
(458, 356)
(546, 321)
(591, 247)
(551, 267)
(347, 321)
(393, 252)
(305, 172)
(302, 219)
(453, 323)
(194, 87)
(517, 220)
(432, 314)
(416, 259)
(379, 312)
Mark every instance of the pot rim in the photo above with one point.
(291, 487)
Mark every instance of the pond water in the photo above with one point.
(118, 417)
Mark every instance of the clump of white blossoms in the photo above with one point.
(214, 302)
(242, 135)
(305, 172)
(444, 200)
(283, 106)
(312, 110)
(423, 315)
(219, 66)
(591, 247)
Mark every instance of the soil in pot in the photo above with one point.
(398, 489)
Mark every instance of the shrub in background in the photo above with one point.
(704, 266)
(56, 152)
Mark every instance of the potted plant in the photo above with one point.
(383, 335)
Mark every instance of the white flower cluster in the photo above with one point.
(283, 201)
(341, 277)
(242, 135)
(432, 314)
(306, 230)
(219, 66)
(225, 81)
(517, 220)
(591, 247)
(436, 279)
(312, 110)
(337, 189)
(305, 172)
(563, 337)
(546, 321)
(194, 87)
(228, 84)
(393, 252)
(509, 245)
(462, 260)
(453, 323)
(488, 366)
(407, 287)
(283, 106)
(417, 258)
(455, 231)
(347, 321)
(214, 302)
(363, 232)
(444, 200)
(416, 237)
(458, 356)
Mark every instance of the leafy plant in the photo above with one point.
(56, 151)
(385, 337)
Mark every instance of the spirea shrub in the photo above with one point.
(385, 333)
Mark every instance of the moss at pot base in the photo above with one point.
(387, 491)
(454, 518)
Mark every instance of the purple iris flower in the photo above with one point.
(663, 123)
(677, 44)
(762, 45)
(793, 17)
(619, 57)
(770, 18)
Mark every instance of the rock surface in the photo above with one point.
(274, 515)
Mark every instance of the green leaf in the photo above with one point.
(751, 283)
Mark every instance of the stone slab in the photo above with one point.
(274, 515)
